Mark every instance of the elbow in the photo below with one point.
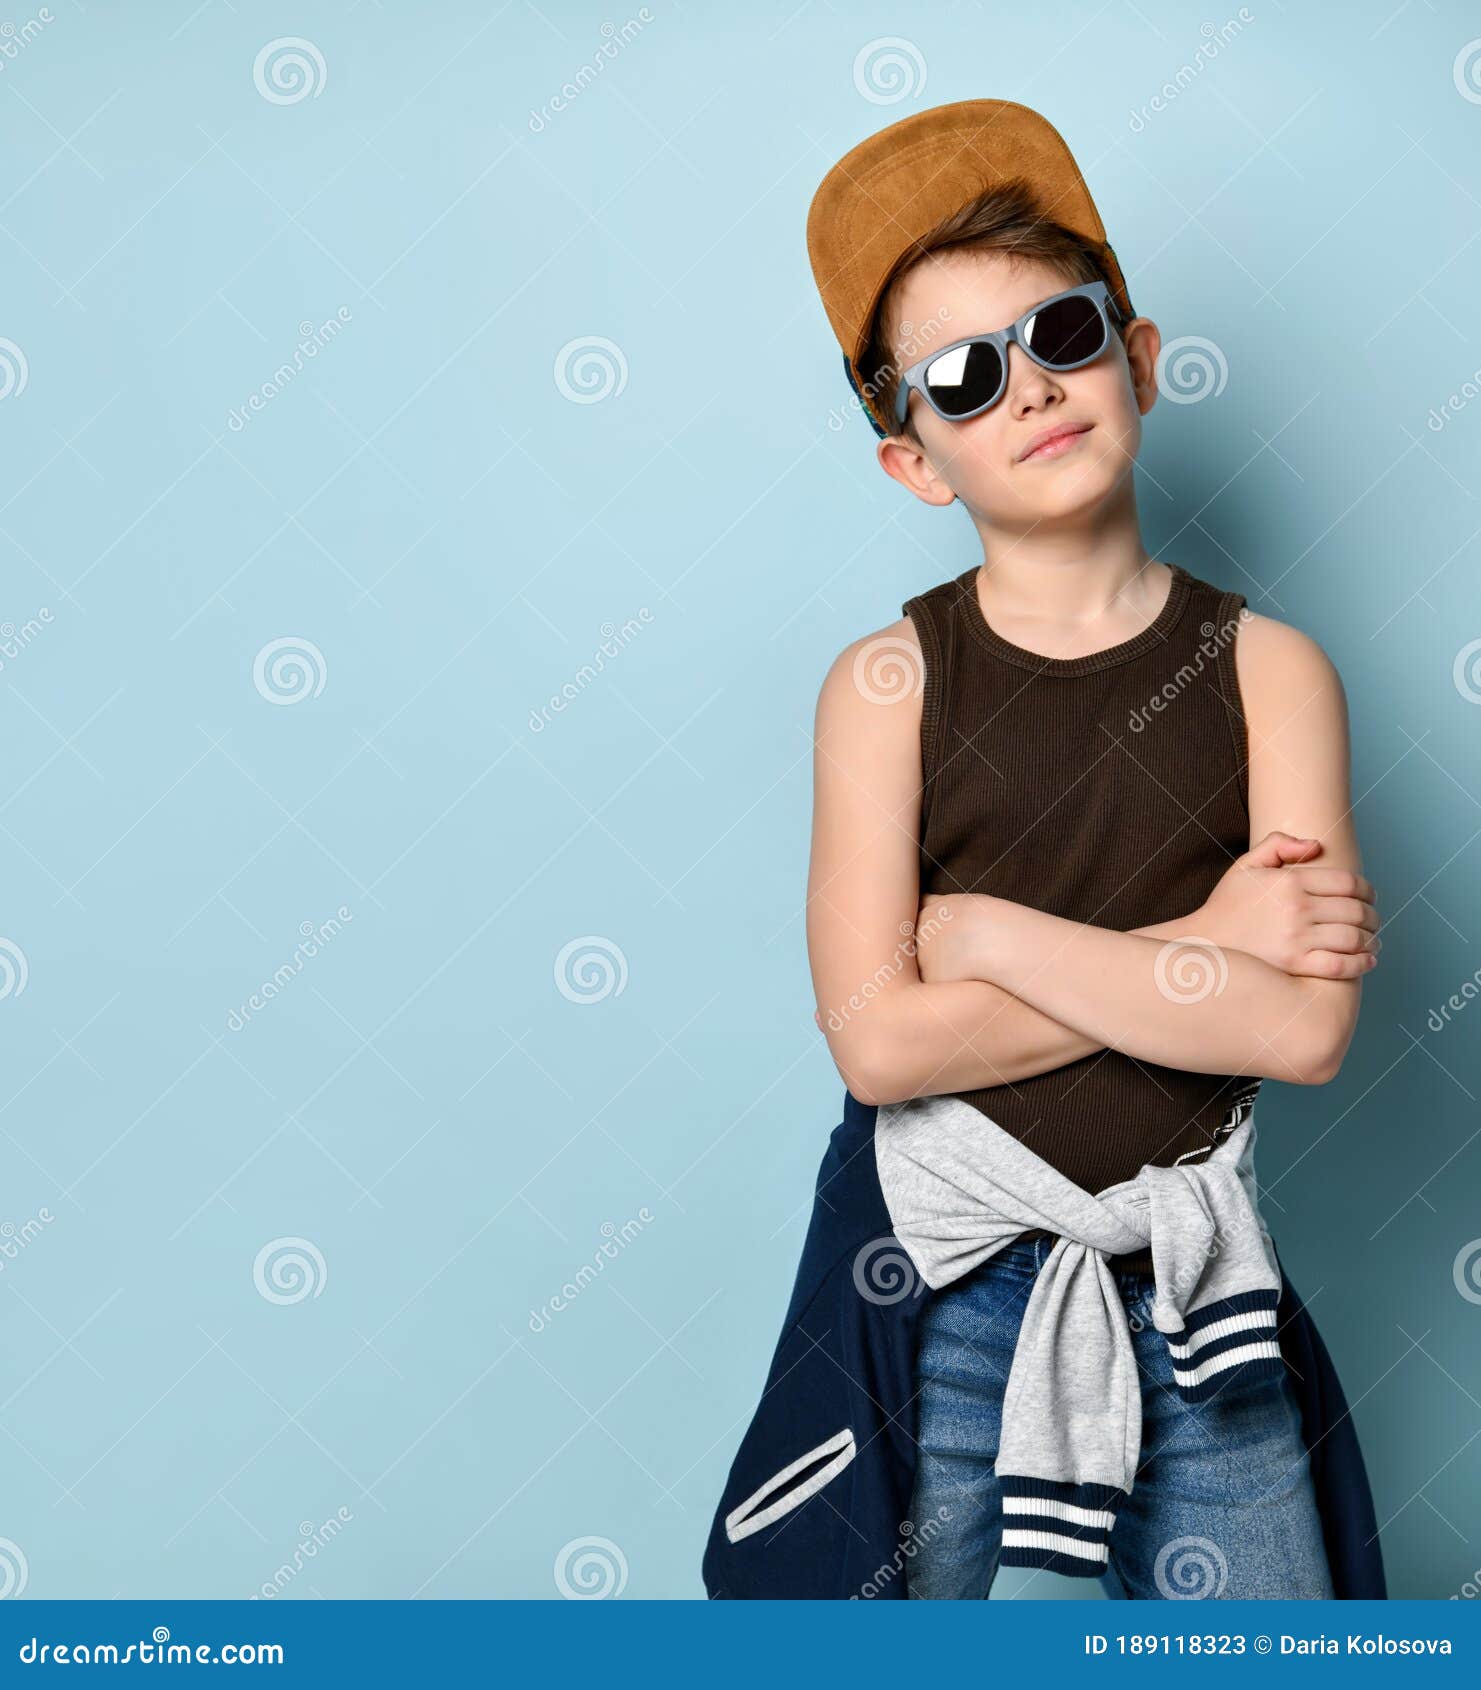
(1320, 1060)
(867, 1069)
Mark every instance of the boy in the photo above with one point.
(1109, 808)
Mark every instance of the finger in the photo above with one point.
(1338, 936)
(1347, 912)
(1333, 965)
(1337, 882)
(1277, 848)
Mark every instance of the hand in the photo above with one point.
(1301, 919)
(949, 934)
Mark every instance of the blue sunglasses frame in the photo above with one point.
(914, 379)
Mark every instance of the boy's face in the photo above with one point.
(983, 461)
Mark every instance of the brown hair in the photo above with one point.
(1001, 219)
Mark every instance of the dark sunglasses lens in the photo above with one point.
(965, 379)
(1069, 331)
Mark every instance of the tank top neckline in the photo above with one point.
(1152, 635)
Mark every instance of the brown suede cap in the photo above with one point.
(895, 186)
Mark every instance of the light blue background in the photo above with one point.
(421, 502)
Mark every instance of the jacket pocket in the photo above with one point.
(790, 1488)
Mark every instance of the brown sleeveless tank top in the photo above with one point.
(1110, 789)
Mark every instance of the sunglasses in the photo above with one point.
(969, 377)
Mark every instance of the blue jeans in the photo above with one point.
(1223, 1505)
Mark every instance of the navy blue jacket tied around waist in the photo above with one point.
(817, 1502)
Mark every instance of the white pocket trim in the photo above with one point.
(840, 1446)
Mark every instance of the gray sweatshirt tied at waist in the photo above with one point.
(959, 1188)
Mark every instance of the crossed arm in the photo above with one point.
(971, 990)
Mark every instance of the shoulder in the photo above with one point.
(1279, 665)
(879, 677)
(869, 710)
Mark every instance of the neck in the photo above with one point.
(1068, 571)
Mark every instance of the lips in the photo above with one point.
(1054, 442)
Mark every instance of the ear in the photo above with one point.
(1143, 341)
(904, 461)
